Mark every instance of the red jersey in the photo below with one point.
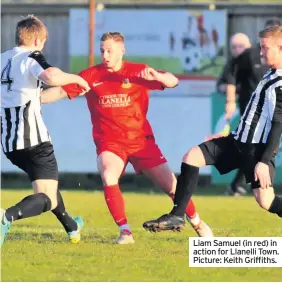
(118, 101)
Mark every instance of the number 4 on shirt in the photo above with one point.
(5, 75)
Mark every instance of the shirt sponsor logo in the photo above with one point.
(115, 100)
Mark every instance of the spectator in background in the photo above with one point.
(239, 42)
(245, 72)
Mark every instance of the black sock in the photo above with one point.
(276, 206)
(60, 212)
(238, 181)
(32, 205)
(187, 183)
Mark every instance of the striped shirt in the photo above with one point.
(22, 125)
(264, 107)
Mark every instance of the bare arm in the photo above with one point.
(231, 80)
(231, 93)
(230, 106)
(52, 94)
(41, 70)
(55, 77)
(168, 80)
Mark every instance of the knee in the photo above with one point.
(48, 188)
(169, 189)
(54, 203)
(168, 183)
(264, 202)
(194, 157)
(53, 200)
(46, 201)
(108, 178)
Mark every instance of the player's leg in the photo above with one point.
(44, 199)
(40, 164)
(162, 176)
(31, 205)
(236, 188)
(111, 166)
(219, 152)
(266, 198)
(186, 185)
(71, 225)
(44, 170)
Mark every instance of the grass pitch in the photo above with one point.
(37, 248)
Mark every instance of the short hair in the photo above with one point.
(28, 29)
(272, 22)
(114, 35)
(274, 31)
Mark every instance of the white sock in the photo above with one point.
(195, 220)
(124, 227)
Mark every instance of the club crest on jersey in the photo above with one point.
(126, 83)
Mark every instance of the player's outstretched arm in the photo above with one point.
(168, 80)
(55, 77)
(52, 94)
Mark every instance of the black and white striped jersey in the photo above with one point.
(22, 125)
(264, 107)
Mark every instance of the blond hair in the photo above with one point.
(114, 35)
(29, 29)
(274, 31)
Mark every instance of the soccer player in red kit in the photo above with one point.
(118, 103)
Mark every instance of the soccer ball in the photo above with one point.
(191, 59)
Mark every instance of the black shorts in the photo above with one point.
(227, 154)
(38, 162)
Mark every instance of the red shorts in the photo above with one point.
(143, 155)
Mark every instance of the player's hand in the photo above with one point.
(83, 84)
(262, 174)
(150, 74)
(230, 108)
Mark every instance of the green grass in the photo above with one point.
(37, 248)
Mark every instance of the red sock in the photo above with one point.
(190, 208)
(115, 204)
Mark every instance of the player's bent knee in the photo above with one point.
(54, 203)
(264, 202)
(109, 178)
(194, 157)
(45, 201)
(48, 188)
(53, 199)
